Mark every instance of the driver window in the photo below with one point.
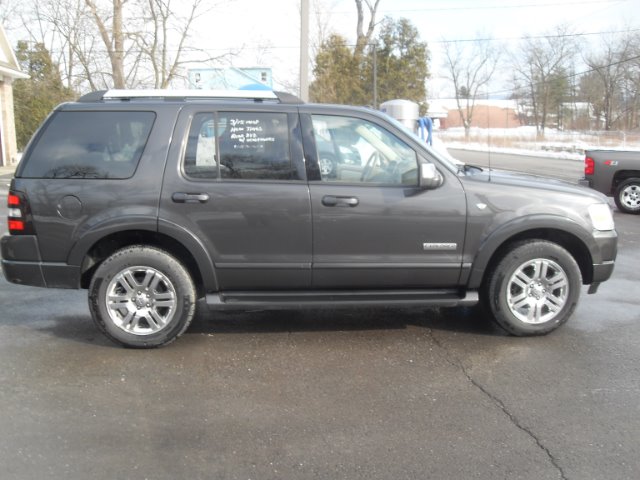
(352, 150)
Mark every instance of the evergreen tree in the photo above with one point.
(336, 71)
(402, 62)
(344, 75)
(36, 96)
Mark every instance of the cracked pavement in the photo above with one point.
(351, 394)
(499, 403)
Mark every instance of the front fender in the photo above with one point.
(519, 228)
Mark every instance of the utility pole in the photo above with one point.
(304, 50)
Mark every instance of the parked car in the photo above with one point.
(615, 173)
(153, 200)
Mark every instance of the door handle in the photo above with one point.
(338, 201)
(181, 197)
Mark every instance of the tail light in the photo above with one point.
(589, 166)
(20, 222)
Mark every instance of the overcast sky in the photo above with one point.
(275, 24)
(268, 32)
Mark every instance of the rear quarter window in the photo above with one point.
(89, 145)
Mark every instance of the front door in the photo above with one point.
(373, 227)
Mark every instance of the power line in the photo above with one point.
(475, 6)
(564, 35)
(239, 50)
(463, 40)
(571, 75)
(503, 7)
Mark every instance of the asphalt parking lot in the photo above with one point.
(370, 394)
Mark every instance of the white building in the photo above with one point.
(9, 71)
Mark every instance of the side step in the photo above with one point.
(340, 299)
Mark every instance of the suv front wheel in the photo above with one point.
(142, 297)
(534, 288)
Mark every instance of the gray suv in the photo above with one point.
(154, 200)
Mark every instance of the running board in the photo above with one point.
(340, 299)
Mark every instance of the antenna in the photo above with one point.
(489, 134)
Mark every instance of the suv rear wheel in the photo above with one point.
(142, 297)
(534, 288)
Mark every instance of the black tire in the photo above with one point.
(142, 297)
(533, 289)
(627, 196)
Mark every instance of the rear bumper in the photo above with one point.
(23, 273)
(39, 274)
(21, 264)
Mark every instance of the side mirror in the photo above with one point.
(430, 177)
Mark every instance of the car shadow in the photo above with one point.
(459, 319)
(80, 328)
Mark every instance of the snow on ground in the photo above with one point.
(478, 147)
(524, 141)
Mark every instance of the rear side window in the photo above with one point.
(90, 145)
(239, 145)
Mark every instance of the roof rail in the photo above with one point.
(256, 95)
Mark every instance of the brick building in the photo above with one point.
(486, 113)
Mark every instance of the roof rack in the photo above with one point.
(255, 95)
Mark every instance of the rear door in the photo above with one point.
(236, 181)
(373, 226)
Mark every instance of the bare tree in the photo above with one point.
(322, 13)
(632, 84)
(71, 42)
(163, 38)
(610, 66)
(118, 43)
(470, 67)
(541, 64)
(85, 50)
(364, 37)
(112, 34)
(9, 9)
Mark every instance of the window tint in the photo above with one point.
(352, 150)
(254, 146)
(248, 145)
(90, 145)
